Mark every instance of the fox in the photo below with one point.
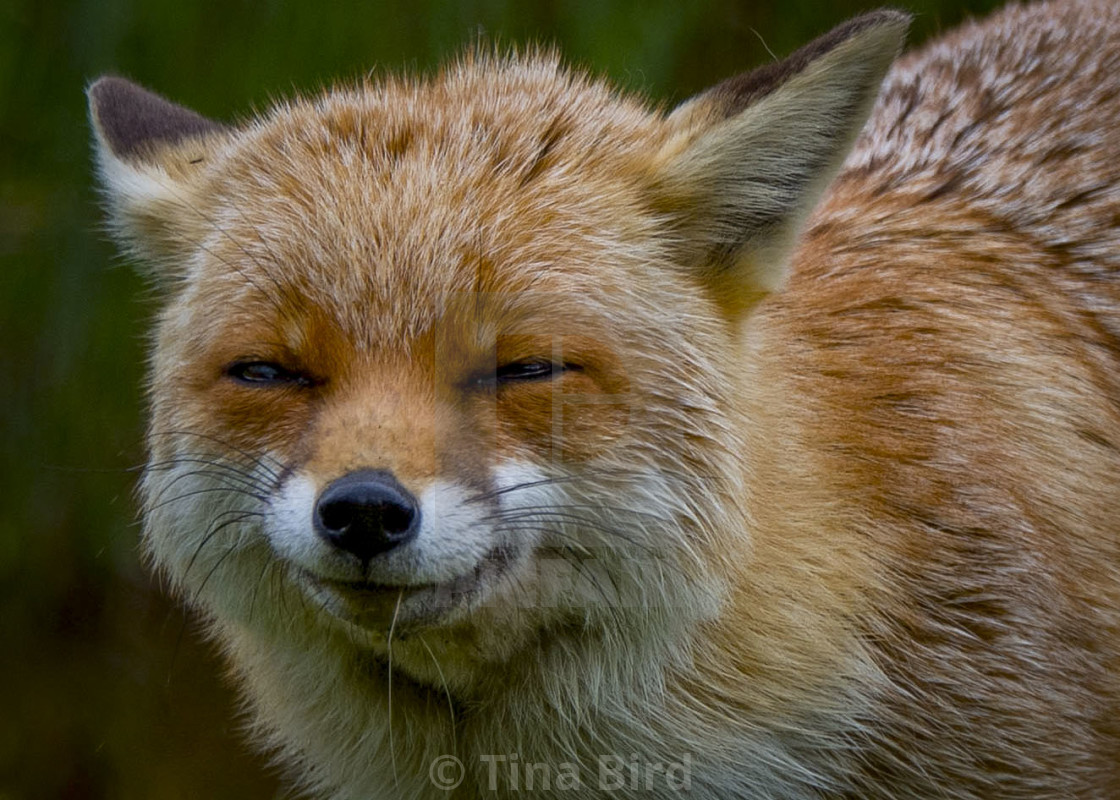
(516, 435)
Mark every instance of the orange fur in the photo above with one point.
(820, 495)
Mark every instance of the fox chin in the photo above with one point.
(513, 436)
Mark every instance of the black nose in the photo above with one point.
(366, 513)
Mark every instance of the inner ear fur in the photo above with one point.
(750, 158)
(151, 153)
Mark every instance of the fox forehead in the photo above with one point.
(499, 177)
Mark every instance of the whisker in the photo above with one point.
(206, 490)
(219, 465)
(186, 617)
(626, 512)
(236, 516)
(447, 692)
(266, 570)
(198, 593)
(247, 469)
(616, 529)
(255, 459)
(389, 645)
(279, 575)
(585, 523)
(578, 555)
(216, 469)
(685, 477)
(490, 495)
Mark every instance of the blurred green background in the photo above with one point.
(106, 690)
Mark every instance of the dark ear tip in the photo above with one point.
(880, 18)
(113, 91)
(887, 16)
(105, 83)
(103, 88)
(132, 120)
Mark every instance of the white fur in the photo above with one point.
(133, 185)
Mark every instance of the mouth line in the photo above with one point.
(369, 587)
(359, 600)
(360, 592)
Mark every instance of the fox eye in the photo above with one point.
(532, 369)
(266, 373)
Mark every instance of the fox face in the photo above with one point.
(395, 383)
(405, 387)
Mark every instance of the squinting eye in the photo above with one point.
(266, 373)
(535, 369)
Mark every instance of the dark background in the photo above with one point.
(106, 690)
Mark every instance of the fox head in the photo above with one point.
(448, 370)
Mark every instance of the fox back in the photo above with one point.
(515, 437)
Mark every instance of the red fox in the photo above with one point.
(515, 437)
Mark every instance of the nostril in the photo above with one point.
(341, 514)
(396, 519)
(336, 516)
(366, 513)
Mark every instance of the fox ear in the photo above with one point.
(751, 157)
(150, 154)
